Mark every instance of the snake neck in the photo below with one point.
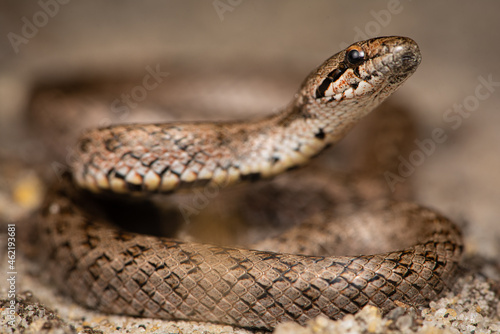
(293, 136)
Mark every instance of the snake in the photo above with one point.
(114, 271)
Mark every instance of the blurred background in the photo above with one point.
(456, 88)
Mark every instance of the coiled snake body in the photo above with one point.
(124, 273)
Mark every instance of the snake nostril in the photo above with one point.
(408, 57)
(409, 60)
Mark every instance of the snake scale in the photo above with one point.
(114, 271)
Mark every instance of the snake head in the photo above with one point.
(364, 73)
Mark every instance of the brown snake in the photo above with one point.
(124, 273)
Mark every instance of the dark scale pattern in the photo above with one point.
(117, 272)
(142, 158)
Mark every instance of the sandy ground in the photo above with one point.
(457, 89)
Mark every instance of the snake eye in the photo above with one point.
(354, 56)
